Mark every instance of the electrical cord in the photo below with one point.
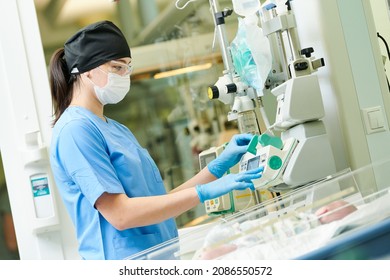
(388, 55)
(185, 5)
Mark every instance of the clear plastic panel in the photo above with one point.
(290, 225)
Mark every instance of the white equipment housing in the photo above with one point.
(299, 106)
(299, 101)
(273, 159)
(42, 224)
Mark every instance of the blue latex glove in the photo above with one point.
(231, 155)
(240, 181)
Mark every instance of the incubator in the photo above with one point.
(299, 224)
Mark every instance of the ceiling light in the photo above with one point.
(182, 70)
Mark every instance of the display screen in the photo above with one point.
(253, 163)
(209, 158)
(206, 159)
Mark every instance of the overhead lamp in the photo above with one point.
(183, 70)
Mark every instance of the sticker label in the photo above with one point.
(40, 187)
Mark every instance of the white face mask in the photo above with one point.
(115, 90)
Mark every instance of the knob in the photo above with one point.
(300, 66)
(307, 52)
(213, 92)
(231, 88)
(275, 162)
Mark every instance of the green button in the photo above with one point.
(253, 144)
(266, 140)
(275, 162)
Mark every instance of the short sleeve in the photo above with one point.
(83, 154)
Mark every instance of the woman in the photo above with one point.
(110, 185)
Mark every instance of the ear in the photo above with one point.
(87, 74)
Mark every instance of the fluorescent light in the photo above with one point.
(183, 70)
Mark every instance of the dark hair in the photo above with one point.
(61, 83)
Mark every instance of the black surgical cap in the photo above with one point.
(94, 45)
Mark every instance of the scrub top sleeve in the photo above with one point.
(83, 154)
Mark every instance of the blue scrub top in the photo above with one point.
(89, 157)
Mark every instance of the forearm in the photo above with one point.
(203, 177)
(124, 212)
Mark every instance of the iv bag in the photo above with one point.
(251, 53)
(246, 7)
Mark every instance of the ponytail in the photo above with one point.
(61, 83)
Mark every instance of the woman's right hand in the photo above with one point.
(230, 182)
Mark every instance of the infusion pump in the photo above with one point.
(272, 154)
(231, 202)
(264, 150)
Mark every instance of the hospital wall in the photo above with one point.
(352, 81)
(381, 13)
